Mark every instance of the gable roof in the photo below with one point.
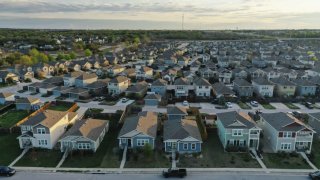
(241, 82)
(119, 79)
(181, 81)
(6, 94)
(145, 122)
(177, 110)
(261, 81)
(160, 82)
(221, 88)
(153, 97)
(234, 119)
(86, 76)
(88, 128)
(47, 118)
(201, 82)
(181, 129)
(282, 81)
(26, 100)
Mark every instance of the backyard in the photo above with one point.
(9, 149)
(40, 158)
(284, 161)
(214, 156)
(11, 117)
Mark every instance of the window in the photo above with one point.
(193, 146)
(42, 142)
(287, 134)
(41, 130)
(169, 144)
(185, 146)
(285, 146)
(237, 132)
(200, 87)
(84, 146)
(142, 142)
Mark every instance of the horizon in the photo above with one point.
(160, 15)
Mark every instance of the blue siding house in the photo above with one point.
(139, 131)
(152, 99)
(159, 87)
(182, 136)
(176, 113)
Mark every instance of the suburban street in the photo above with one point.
(142, 176)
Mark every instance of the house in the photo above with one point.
(28, 103)
(256, 73)
(221, 90)
(144, 72)
(118, 85)
(55, 80)
(5, 75)
(181, 87)
(314, 122)
(284, 87)
(286, 133)
(98, 87)
(237, 130)
(159, 87)
(60, 90)
(176, 113)
(138, 131)
(115, 70)
(152, 99)
(263, 87)
(137, 90)
(85, 134)
(44, 129)
(243, 88)
(6, 97)
(225, 75)
(202, 87)
(304, 88)
(182, 136)
(70, 78)
(239, 73)
(77, 93)
(43, 69)
(84, 79)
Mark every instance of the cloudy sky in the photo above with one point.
(160, 14)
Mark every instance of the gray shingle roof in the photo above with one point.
(235, 120)
(177, 110)
(47, 118)
(119, 79)
(282, 81)
(176, 129)
(220, 88)
(241, 82)
(302, 82)
(153, 96)
(26, 100)
(181, 81)
(201, 82)
(262, 81)
(160, 82)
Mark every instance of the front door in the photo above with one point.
(253, 143)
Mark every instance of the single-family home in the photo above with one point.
(28, 103)
(137, 90)
(176, 113)
(182, 136)
(115, 70)
(225, 75)
(202, 87)
(304, 88)
(144, 72)
(44, 129)
(84, 79)
(159, 86)
(237, 129)
(70, 78)
(5, 75)
(314, 122)
(85, 134)
(263, 87)
(219, 89)
(6, 97)
(283, 87)
(243, 88)
(283, 132)
(181, 87)
(118, 85)
(138, 131)
(152, 99)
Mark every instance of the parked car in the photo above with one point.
(101, 98)
(185, 103)
(174, 173)
(7, 171)
(124, 100)
(95, 99)
(228, 104)
(315, 175)
(308, 105)
(254, 103)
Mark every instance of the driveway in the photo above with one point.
(279, 106)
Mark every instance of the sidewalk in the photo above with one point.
(124, 158)
(19, 157)
(304, 156)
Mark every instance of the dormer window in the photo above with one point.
(41, 130)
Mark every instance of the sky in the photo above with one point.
(160, 14)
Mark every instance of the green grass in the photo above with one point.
(10, 118)
(40, 158)
(244, 105)
(107, 155)
(214, 156)
(291, 106)
(315, 152)
(9, 149)
(60, 107)
(286, 161)
(268, 106)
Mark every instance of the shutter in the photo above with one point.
(280, 134)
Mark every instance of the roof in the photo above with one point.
(145, 122)
(74, 74)
(315, 115)
(3, 74)
(181, 129)
(97, 84)
(201, 82)
(302, 82)
(241, 82)
(26, 100)
(86, 76)
(177, 110)
(283, 122)
(261, 81)
(118, 79)
(220, 88)
(88, 128)
(141, 86)
(159, 82)
(234, 119)
(282, 81)
(47, 118)
(181, 81)
(153, 96)
(53, 80)
(6, 94)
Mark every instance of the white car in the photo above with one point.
(228, 104)
(185, 103)
(124, 100)
(254, 103)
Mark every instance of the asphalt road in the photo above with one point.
(198, 176)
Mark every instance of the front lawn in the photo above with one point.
(11, 117)
(214, 156)
(284, 161)
(243, 105)
(9, 149)
(268, 106)
(40, 158)
(315, 155)
(291, 106)
(107, 155)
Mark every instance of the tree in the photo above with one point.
(87, 53)
(42, 58)
(26, 60)
(72, 55)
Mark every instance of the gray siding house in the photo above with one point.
(243, 88)
(176, 113)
